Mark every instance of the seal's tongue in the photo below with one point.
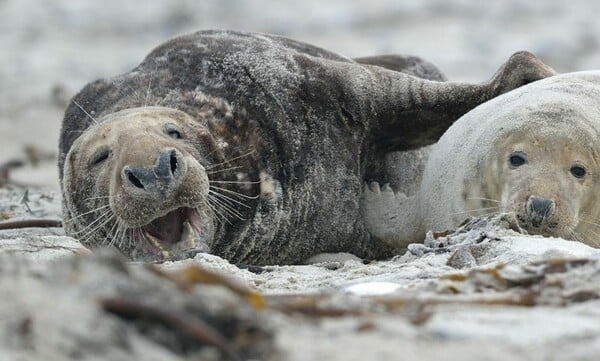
(168, 228)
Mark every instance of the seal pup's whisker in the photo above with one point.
(224, 197)
(484, 199)
(235, 193)
(588, 222)
(148, 89)
(596, 240)
(576, 237)
(230, 160)
(475, 210)
(85, 111)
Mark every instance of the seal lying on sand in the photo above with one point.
(533, 152)
(250, 146)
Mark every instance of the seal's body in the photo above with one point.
(252, 147)
(533, 152)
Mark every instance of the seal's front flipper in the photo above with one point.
(390, 217)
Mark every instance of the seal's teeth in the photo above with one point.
(156, 243)
(188, 234)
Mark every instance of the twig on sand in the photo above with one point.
(29, 223)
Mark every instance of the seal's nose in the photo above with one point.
(166, 165)
(539, 209)
(157, 180)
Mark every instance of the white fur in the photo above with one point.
(565, 106)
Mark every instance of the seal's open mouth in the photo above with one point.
(177, 229)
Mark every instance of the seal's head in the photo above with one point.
(534, 152)
(137, 179)
(546, 174)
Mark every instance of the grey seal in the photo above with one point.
(250, 146)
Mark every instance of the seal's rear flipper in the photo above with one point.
(412, 112)
(407, 64)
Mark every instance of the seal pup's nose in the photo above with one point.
(539, 209)
(158, 180)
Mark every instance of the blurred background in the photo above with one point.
(49, 49)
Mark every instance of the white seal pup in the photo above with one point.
(533, 151)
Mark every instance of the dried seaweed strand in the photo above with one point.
(196, 328)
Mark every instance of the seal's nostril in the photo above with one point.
(540, 207)
(173, 161)
(133, 179)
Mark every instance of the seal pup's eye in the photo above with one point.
(517, 159)
(578, 171)
(100, 157)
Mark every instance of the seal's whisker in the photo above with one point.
(94, 231)
(85, 111)
(234, 192)
(229, 160)
(114, 237)
(228, 208)
(148, 89)
(88, 212)
(217, 148)
(475, 210)
(121, 231)
(224, 169)
(99, 197)
(233, 182)
(485, 199)
(105, 220)
(125, 235)
(109, 234)
(100, 217)
(216, 210)
(217, 215)
(221, 195)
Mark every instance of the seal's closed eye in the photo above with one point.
(99, 157)
(172, 131)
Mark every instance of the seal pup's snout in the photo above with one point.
(540, 210)
(157, 181)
